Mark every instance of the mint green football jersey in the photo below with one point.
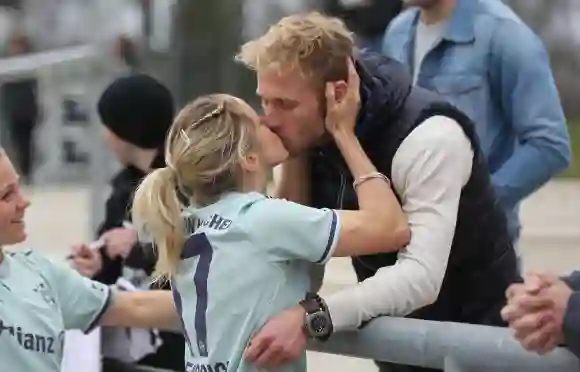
(39, 300)
(247, 260)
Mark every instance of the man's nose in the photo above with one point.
(267, 121)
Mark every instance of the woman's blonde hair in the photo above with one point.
(204, 147)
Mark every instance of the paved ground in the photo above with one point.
(551, 241)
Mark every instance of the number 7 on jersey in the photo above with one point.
(198, 245)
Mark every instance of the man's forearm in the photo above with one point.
(396, 290)
(429, 171)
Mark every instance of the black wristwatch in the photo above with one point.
(317, 322)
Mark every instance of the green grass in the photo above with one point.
(574, 170)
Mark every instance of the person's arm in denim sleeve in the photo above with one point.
(523, 84)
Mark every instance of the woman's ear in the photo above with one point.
(251, 162)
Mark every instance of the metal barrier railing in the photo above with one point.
(453, 347)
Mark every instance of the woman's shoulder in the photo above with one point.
(270, 209)
(36, 261)
(27, 264)
(30, 257)
(22, 254)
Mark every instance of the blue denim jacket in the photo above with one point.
(495, 69)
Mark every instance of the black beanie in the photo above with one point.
(138, 109)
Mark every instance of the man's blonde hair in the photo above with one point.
(315, 45)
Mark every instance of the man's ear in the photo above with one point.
(340, 89)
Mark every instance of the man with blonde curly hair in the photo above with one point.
(460, 259)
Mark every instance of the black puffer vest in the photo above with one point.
(482, 263)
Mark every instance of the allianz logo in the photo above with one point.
(32, 341)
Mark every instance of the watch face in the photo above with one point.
(319, 323)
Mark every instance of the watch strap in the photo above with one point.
(311, 304)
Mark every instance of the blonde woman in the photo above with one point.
(246, 257)
(41, 298)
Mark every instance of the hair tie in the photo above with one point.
(211, 115)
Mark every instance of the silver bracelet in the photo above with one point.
(362, 179)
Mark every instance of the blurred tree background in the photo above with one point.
(191, 44)
(558, 24)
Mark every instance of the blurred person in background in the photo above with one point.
(481, 57)
(368, 19)
(136, 112)
(20, 108)
(544, 312)
(126, 53)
